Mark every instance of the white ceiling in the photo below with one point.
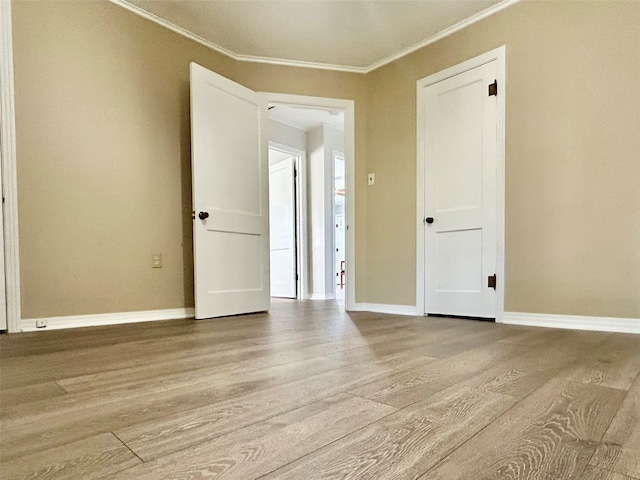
(356, 35)
(307, 118)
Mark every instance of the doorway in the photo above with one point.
(460, 185)
(322, 128)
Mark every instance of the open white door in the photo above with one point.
(3, 291)
(282, 214)
(230, 196)
(460, 194)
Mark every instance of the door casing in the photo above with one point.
(498, 55)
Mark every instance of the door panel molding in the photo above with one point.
(499, 56)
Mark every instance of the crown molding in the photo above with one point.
(300, 63)
(320, 66)
(442, 34)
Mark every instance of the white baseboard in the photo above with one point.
(573, 322)
(321, 296)
(75, 321)
(385, 308)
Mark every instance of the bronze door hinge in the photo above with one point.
(493, 89)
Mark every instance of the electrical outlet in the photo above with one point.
(371, 179)
(156, 260)
(41, 323)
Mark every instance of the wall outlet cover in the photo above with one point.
(156, 260)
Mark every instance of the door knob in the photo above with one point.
(203, 215)
(429, 220)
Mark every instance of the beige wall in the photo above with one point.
(102, 125)
(104, 169)
(572, 157)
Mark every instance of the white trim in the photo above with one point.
(442, 34)
(499, 55)
(321, 66)
(348, 106)
(385, 308)
(573, 322)
(9, 176)
(321, 296)
(501, 74)
(300, 164)
(76, 321)
(302, 64)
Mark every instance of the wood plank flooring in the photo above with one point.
(310, 392)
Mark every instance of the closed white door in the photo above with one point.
(460, 194)
(230, 196)
(282, 231)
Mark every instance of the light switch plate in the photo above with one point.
(371, 179)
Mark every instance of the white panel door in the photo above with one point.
(230, 196)
(282, 228)
(460, 194)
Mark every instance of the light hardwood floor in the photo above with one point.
(310, 392)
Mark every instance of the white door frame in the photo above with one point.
(348, 107)
(9, 176)
(499, 55)
(300, 166)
